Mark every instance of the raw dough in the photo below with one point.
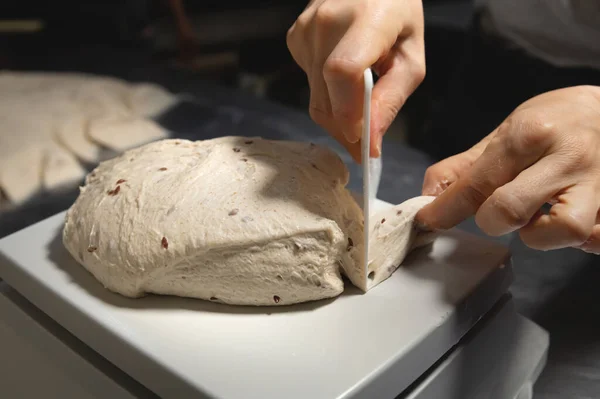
(121, 134)
(236, 220)
(45, 120)
(61, 169)
(393, 236)
(150, 100)
(71, 132)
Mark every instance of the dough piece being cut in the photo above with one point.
(121, 134)
(236, 220)
(393, 236)
(150, 100)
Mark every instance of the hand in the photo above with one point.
(546, 151)
(334, 41)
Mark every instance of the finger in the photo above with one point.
(354, 149)
(503, 159)
(513, 205)
(301, 34)
(320, 112)
(357, 50)
(592, 244)
(439, 176)
(319, 103)
(296, 44)
(400, 72)
(569, 223)
(399, 77)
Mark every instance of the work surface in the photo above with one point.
(357, 345)
(558, 289)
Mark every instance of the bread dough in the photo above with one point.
(236, 220)
(20, 174)
(393, 236)
(71, 132)
(121, 134)
(150, 100)
(61, 169)
(45, 120)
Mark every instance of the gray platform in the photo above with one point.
(359, 346)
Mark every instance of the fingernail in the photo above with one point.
(378, 143)
(421, 228)
(353, 134)
(436, 190)
(428, 191)
(444, 184)
(433, 191)
(350, 138)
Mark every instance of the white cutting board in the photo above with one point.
(358, 345)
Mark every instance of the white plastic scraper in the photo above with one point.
(371, 168)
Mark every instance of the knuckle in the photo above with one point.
(574, 229)
(505, 128)
(592, 244)
(522, 134)
(290, 32)
(335, 68)
(303, 21)
(419, 70)
(475, 192)
(510, 208)
(432, 172)
(289, 39)
(536, 135)
(327, 15)
(533, 243)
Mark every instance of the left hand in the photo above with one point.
(546, 151)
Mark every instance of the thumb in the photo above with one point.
(439, 177)
(442, 174)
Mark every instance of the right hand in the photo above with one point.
(334, 41)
